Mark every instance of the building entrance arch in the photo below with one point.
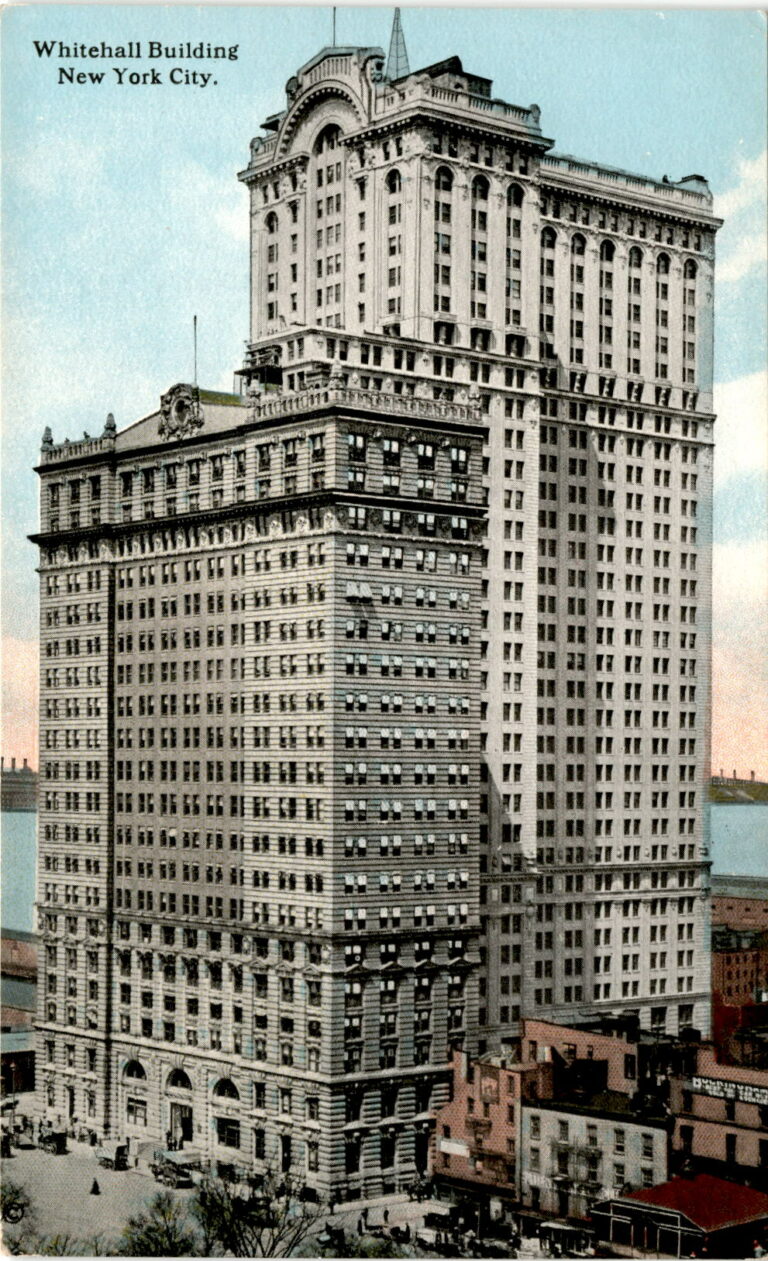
(178, 1093)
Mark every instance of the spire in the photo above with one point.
(397, 61)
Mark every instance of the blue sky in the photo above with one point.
(123, 218)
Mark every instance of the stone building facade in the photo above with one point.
(374, 702)
(573, 1156)
(430, 230)
(259, 732)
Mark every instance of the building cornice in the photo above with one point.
(261, 507)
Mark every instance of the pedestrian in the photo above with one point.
(360, 1227)
(757, 1249)
(386, 1216)
(331, 1206)
(95, 1188)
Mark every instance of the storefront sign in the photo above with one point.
(739, 1091)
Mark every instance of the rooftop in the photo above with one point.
(605, 1104)
(753, 887)
(734, 791)
(710, 1203)
(218, 413)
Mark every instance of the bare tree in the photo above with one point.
(270, 1219)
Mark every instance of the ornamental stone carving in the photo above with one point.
(181, 414)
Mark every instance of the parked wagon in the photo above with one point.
(177, 1169)
(53, 1141)
(112, 1155)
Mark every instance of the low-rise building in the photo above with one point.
(476, 1133)
(687, 1217)
(721, 1120)
(537, 1129)
(740, 901)
(18, 786)
(572, 1154)
(18, 990)
(739, 984)
(612, 1042)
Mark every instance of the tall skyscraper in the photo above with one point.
(436, 592)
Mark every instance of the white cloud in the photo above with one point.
(743, 244)
(740, 585)
(750, 251)
(741, 431)
(751, 187)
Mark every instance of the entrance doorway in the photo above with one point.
(421, 1152)
(181, 1123)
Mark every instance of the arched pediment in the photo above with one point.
(348, 114)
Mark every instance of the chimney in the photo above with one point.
(752, 776)
(734, 773)
(13, 763)
(25, 767)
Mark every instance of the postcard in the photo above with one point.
(385, 575)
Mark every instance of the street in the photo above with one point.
(59, 1187)
(60, 1190)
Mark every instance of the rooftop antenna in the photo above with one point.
(333, 45)
(194, 338)
(397, 61)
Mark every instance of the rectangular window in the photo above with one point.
(227, 1132)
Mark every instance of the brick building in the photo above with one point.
(721, 1120)
(579, 1115)
(740, 902)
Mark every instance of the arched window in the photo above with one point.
(394, 183)
(328, 139)
(480, 188)
(271, 223)
(635, 257)
(226, 1089)
(607, 251)
(548, 239)
(178, 1080)
(443, 179)
(135, 1071)
(578, 244)
(515, 195)
(662, 265)
(690, 270)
